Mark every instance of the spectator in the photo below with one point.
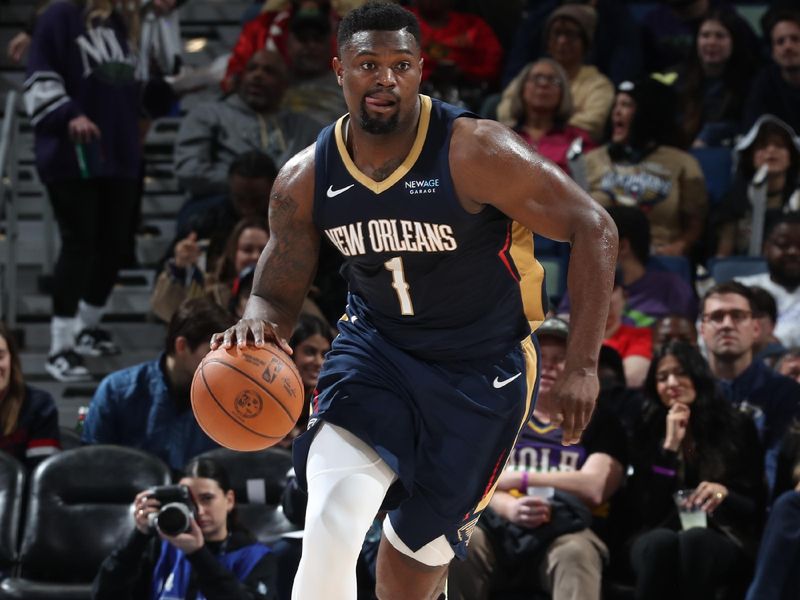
(789, 364)
(713, 85)
(540, 109)
(776, 89)
(616, 50)
(673, 328)
(250, 179)
(28, 416)
(569, 32)
(773, 143)
(777, 573)
(268, 30)
(650, 293)
(213, 134)
(216, 558)
(669, 28)
(310, 341)
(639, 168)
(183, 276)
(729, 332)
(634, 344)
(313, 89)
(782, 281)
(525, 543)
(460, 51)
(147, 406)
(83, 102)
(766, 346)
(690, 438)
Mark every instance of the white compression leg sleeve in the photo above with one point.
(347, 482)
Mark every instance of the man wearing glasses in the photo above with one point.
(729, 331)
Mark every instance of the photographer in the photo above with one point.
(213, 559)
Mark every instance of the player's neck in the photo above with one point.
(377, 156)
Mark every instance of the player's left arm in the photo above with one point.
(492, 165)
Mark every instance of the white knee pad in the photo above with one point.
(434, 554)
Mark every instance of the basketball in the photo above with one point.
(247, 398)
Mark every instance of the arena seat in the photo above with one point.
(78, 512)
(12, 482)
(725, 269)
(69, 438)
(555, 277)
(717, 167)
(258, 480)
(673, 264)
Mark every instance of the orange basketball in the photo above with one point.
(247, 398)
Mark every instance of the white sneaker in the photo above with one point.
(95, 342)
(67, 366)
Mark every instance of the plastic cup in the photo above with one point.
(690, 515)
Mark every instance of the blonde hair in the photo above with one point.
(511, 109)
(102, 9)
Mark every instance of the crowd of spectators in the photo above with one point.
(700, 380)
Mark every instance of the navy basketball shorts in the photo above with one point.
(446, 429)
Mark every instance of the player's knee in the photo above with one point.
(340, 512)
(436, 553)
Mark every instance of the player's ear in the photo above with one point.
(338, 68)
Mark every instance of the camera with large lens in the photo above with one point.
(177, 509)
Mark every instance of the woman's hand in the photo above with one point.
(262, 332)
(82, 130)
(187, 251)
(143, 506)
(188, 542)
(17, 46)
(708, 496)
(677, 423)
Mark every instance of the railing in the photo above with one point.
(8, 207)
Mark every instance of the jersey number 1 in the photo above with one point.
(400, 285)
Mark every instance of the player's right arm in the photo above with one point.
(287, 265)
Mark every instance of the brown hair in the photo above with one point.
(102, 9)
(225, 270)
(11, 401)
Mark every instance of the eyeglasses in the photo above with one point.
(542, 80)
(571, 34)
(717, 317)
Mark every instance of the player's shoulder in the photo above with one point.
(484, 142)
(297, 175)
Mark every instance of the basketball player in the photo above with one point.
(434, 371)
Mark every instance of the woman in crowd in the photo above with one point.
(310, 341)
(215, 559)
(568, 36)
(639, 168)
(714, 84)
(769, 142)
(28, 417)
(540, 109)
(690, 438)
(184, 276)
(83, 99)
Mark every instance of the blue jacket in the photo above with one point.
(146, 567)
(134, 407)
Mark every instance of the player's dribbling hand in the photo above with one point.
(575, 392)
(261, 333)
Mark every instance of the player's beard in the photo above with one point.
(377, 126)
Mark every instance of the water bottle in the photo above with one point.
(82, 412)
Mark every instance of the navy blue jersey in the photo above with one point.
(433, 279)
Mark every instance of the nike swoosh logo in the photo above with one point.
(332, 193)
(498, 384)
